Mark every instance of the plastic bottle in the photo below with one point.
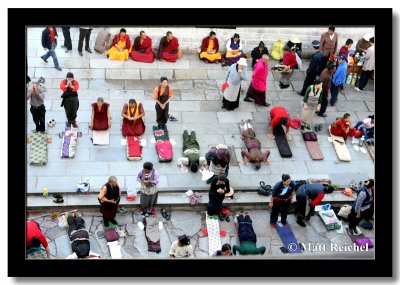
(357, 57)
(349, 77)
(358, 79)
(45, 193)
(353, 80)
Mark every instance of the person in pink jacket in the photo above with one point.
(258, 86)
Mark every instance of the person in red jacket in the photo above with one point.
(70, 100)
(35, 237)
(343, 128)
(313, 193)
(279, 115)
(289, 60)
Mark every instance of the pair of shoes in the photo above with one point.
(280, 84)
(51, 123)
(351, 231)
(58, 68)
(57, 196)
(89, 50)
(58, 200)
(301, 223)
(44, 59)
(166, 214)
(323, 115)
(298, 92)
(285, 86)
(358, 89)
(273, 225)
(80, 53)
(172, 118)
(247, 99)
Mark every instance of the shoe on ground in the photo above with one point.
(114, 221)
(323, 115)
(58, 196)
(273, 226)
(285, 86)
(106, 223)
(280, 83)
(80, 53)
(247, 99)
(358, 89)
(63, 46)
(89, 50)
(58, 68)
(44, 59)
(301, 223)
(267, 105)
(58, 200)
(298, 92)
(351, 231)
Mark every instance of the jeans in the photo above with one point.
(364, 79)
(52, 52)
(334, 94)
(84, 34)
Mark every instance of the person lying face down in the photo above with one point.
(253, 150)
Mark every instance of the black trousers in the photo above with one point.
(301, 207)
(162, 115)
(308, 81)
(84, 34)
(364, 79)
(279, 207)
(324, 61)
(354, 221)
(67, 38)
(39, 117)
(324, 105)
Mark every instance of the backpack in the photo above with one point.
(265, 189)
(111, 234)
(102, 41)
(277, 50)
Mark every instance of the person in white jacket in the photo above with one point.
(369, 65)
(181, 247)
(234, 51)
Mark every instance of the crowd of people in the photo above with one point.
(326, 74)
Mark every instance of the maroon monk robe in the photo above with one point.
(142, 52)
(168, 50)
(100, 119)
(117, 38)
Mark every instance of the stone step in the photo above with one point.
(170, 200)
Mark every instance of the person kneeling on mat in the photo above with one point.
(218, 159)
(247, 237)
(282, 196)
(342, 128)
(279, 115)
(313, 193)
(79, 237)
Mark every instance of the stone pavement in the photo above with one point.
(196, 105)
(134, 245)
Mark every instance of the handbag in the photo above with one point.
(111, 234)
(265, 189)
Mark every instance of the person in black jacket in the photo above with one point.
(314, 68)
(282, 196)
(49, 43)
(258, 52)
(219, 187)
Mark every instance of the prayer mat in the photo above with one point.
(101, 137)
(291, 245)
(38, 149)
(340, 147)
(281, 141)
(214, 239)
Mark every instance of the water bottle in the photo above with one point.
(353, 80)
(357, 57)
(45, 193)
(349, 78)
(358, 79)
(362, 139)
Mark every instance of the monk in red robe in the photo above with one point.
(100, 119)
(342, 128)
(142, 50)
(169, 48)
(132, 122)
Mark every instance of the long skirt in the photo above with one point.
(147, 202)
(231, 105)
(100, 122)
(162, 115)
(113, 53)
(171, 57)
(285, 77)
(257, 96)
(71, 106)
(307, 116)
(143, 57)
(132, 128)
(210, 57)
(231, 59)
(109, 211)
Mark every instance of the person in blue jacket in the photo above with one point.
(338, 79)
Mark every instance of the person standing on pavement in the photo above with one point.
(84, 33)
(368, 67)
(328, 45)
(363, 44)
(148, 178)
(314, 69)
(312, 193)
(361, 206)
(162, 95)
(49, 43)
(35, 237)
(258, 86)
(109, 198)
(282, 196)
(219, 187)
(38, 110)
(70, 99)
(345, 51)
(312, 104)
(237, 72)
(67, 39)
(326, 78)
(338, 79)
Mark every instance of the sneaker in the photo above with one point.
(301, 223)
(143, 213)
(227, 219)
(273, 226)
(44, 59)
(351, 231)
(89, 50)
(58, 68)
(358, 89)
(280, 83)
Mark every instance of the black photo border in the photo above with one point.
(18, 19)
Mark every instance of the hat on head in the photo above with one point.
(242, 61)
(230, 193)
(315, 43)
(342, 57)
(367, 37)
(295, 40)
